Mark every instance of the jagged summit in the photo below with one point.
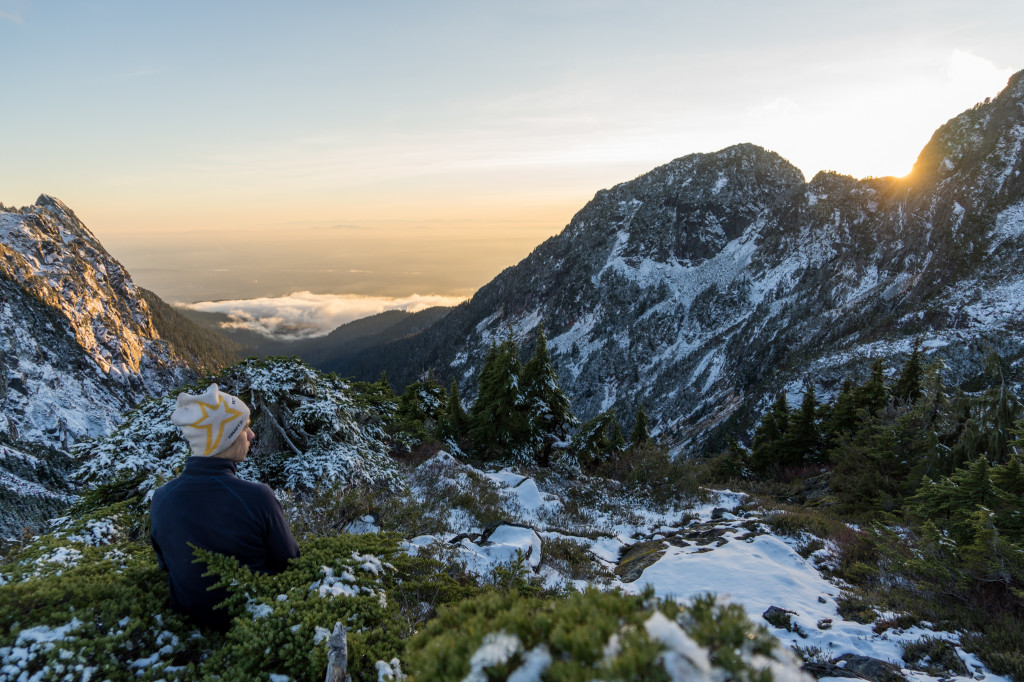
(984, 139)
(78, 343)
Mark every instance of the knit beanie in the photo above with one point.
(210, 421)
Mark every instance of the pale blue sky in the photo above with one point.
(214, 147)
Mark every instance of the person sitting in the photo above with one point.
(209, 507)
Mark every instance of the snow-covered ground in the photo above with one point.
(705, 549)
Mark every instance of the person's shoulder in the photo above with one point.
(166, 489)
(254, 489)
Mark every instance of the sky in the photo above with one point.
(335, 156)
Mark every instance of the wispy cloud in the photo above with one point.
(306, 315)
(338, 226)
(10, 10)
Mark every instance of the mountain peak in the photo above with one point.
(985, 141)
(50, 200)
(49, 256)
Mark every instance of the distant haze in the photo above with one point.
(372, 258)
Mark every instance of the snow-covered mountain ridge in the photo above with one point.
(704, 286)
(65, 388)
(77, 348)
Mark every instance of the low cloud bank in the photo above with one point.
(304, 315)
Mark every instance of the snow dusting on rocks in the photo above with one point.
(705, 549)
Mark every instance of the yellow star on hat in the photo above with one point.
(211, 420)
(218, 416)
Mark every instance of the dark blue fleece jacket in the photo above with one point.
(210, 507)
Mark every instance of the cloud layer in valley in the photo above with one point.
(305, 315)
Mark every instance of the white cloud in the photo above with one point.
(305, 315)
(976, 75)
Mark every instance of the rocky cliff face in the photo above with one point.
(704, 286)
(77, 347)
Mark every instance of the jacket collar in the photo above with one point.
(210, 465)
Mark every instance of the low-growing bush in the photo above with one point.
(649, 472)
(571, 558)
(934, 656)
(102, 610)
(593, 635)
(856, 607)
(330, 511)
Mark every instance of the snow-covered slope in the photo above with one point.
(704, 286)
(691, 551)
(77, 344)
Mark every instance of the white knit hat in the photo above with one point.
(210, 421)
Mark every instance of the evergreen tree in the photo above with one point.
(453, 423)
(843, 419)
(1016, 443)
(965, 447)
(1001, 410)
(732, 464)
(952, 502)
(420, 407)
(872, 395)
(768, 439)
(384, 386)
(551, 413)
(616, 438)
(641, 428)
(988, 556)
(1009, 479)
(908, 386)
(868, 471)
(500, 416)
(923, 428)
(598, 440)
(802, 443)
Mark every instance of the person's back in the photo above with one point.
(209, 507)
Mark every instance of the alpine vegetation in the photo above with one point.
(478, 564)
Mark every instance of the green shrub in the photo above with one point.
(593, 635)
(1001, 645)
(104, 610)
(571, 559)
(934, 656)
(328, 511)
(856, 607)
(649, 472)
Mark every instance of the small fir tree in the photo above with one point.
(384, 385)
(641, 428)
(873, 395)
(843, 419)
(952, 502)
(453, 423)
(551, 415)
(1001, 410)
(803, 444)
(908, 387)
(420, 407)
(768, 439)
(598, 440)
(500, 417)
(616, 438)
(868, 472)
